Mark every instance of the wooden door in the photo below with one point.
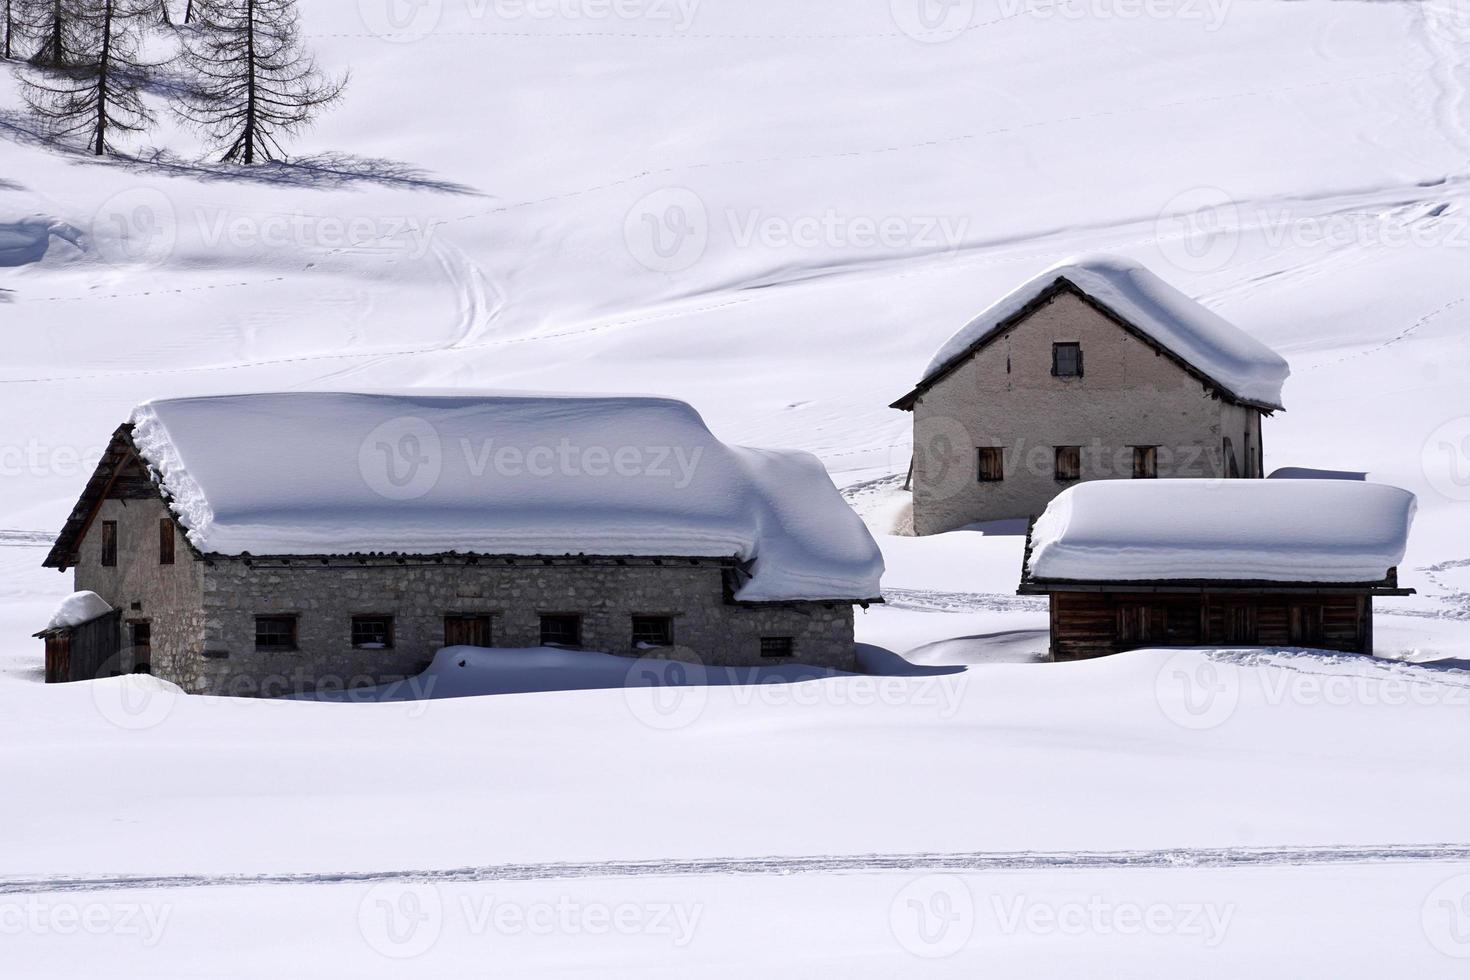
(140, 641)
(58, 659)
(467, 631)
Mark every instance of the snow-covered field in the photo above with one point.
(777, 212)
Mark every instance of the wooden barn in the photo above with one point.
(1271, 563)
(82, 640)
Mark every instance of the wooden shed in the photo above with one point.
(1200, 563)
(84, 651)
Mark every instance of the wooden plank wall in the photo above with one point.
(1094, 624)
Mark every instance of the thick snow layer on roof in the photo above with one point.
(78, 608)
(1269, 530)
(424, 473)
(1216, 348)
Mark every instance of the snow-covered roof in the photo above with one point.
(78, 608)
(1238, 530)
(488, 473)
(1236, 362)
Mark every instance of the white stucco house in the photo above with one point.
(1094, 369)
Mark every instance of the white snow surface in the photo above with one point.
(1217, 348)
(1269, 530)
(502, 474)
(501, 249)
(78, 608)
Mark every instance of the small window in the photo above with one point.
(141, 634)
(992, 464)
(275, 632)
(653, 631)
(1066, 360)
(109, 543)
(561, 630)
(165, 541)
(1145, 462)
(372, 632)
(777, 646)
(1068, 463)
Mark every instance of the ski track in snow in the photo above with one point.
(932, 862)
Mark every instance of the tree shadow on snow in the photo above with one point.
(323, 171)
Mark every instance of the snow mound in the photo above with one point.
(316, 473)
(1216, 348)
(78, 608)
(27, 240)
(1247, 530)
(464, 672)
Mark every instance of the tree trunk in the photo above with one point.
(100, 144)
(250, 82)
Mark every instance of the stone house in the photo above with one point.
(274, 543)
(1095, 369)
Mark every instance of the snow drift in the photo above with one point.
(1218, 349)
(315, 473)
(1266, 530)
(466, 672)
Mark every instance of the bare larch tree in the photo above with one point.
(253, 83)
(11, 22)
(99, 91)
(53, 23)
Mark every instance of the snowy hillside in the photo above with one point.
(779, 213)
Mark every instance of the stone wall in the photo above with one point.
(168, 597)
(1129, 395)
(325, 598)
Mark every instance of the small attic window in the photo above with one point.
(165, 541)
(1066, 360)
(109, 544)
